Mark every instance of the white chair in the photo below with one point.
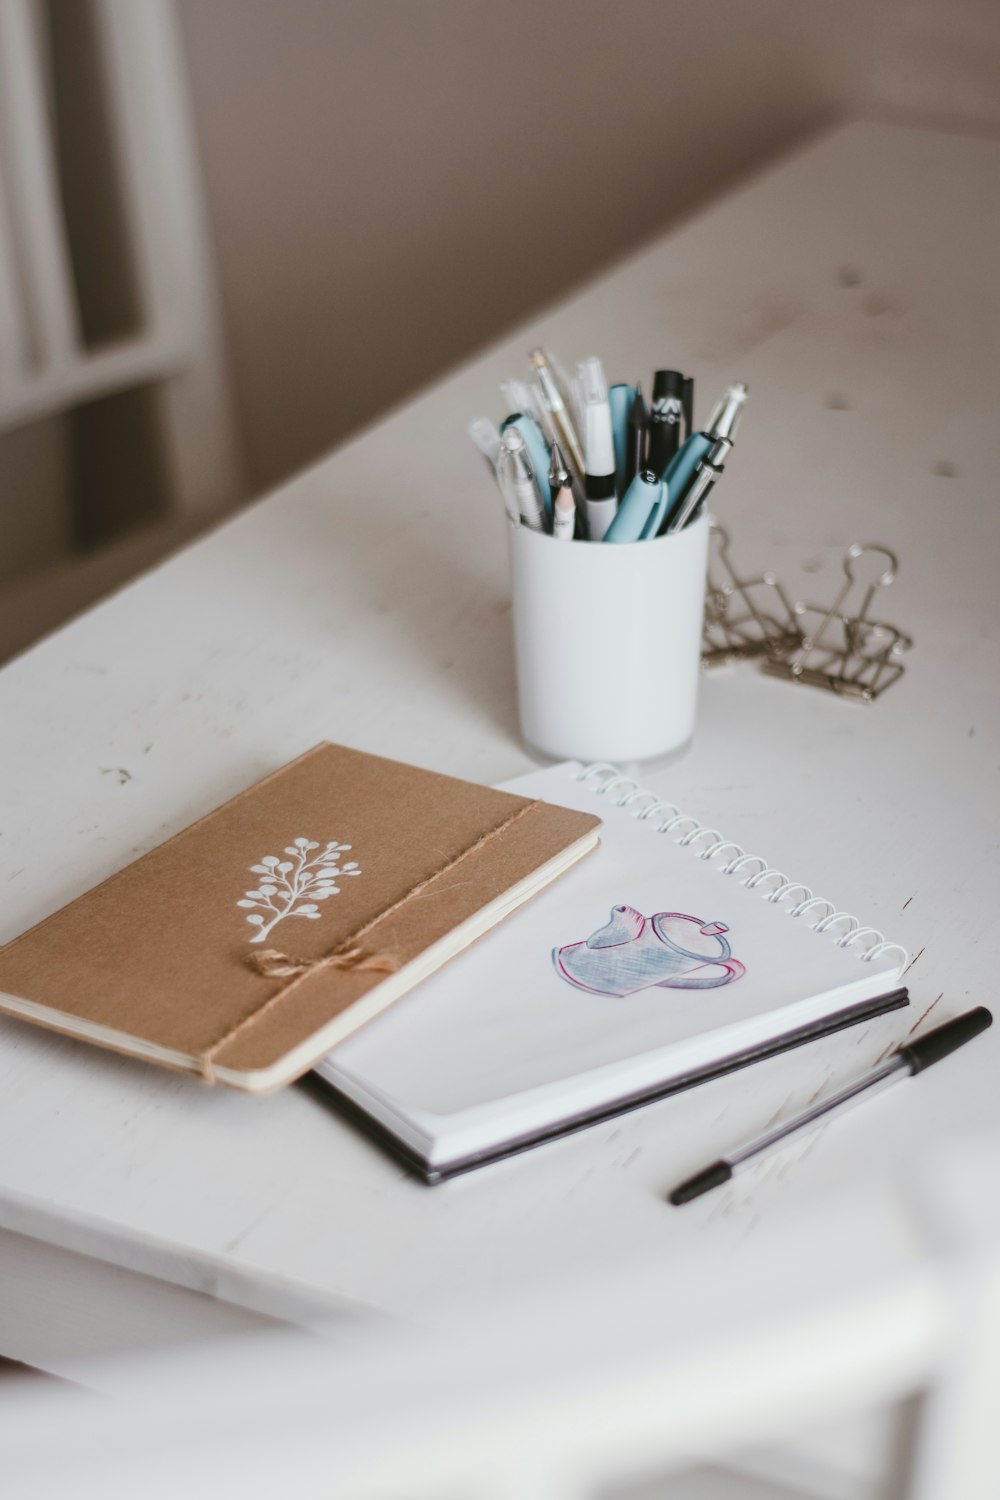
(582, 1390)
(174, 350)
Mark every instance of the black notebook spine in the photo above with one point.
(329, 1094)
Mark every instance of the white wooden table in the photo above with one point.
(854, 287)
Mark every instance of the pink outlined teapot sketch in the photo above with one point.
(632, 952)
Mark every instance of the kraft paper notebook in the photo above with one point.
(245, 947)
(666, 959)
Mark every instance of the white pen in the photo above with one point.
(486, 436)
(519, 396)
(563, 504)
(516, 479)
(598, 448)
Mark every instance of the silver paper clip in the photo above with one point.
(745, 618)
(847, 652)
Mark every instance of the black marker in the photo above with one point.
(665, 418)
(911, 1058)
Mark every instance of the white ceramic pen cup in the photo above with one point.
(607, 639)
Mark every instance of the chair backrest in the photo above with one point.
(173, 347)
(572, 1391)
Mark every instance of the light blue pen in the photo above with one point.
(641, 499)
(676, 478)
(679, 474)
(538, 454)
(620, 398)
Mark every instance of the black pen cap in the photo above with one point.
(667, 383)
(938, 1043)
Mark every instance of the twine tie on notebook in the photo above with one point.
(274, 965)
(348, 956)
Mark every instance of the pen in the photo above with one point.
(598, 447)
(486, 437)
(709, 469)
(726, 417)
(564, 506)
(682, 471)
(665, 418)
(620, 399)
(521, 396)
(537, 450)
(641, 499)
(679, 473)
(687, 402)
(907, 1060)
(516, 479)
(636, 432)
(552, 399)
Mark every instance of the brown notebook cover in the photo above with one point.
(245, 947)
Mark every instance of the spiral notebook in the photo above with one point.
(669, 957)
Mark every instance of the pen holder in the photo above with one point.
(607, 639)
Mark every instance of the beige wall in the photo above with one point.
(391, 182)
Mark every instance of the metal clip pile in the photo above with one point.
(830, 646)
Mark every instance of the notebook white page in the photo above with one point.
(511, 1037)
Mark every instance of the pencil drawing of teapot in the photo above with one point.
(633, 952)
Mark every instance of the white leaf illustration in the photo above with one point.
(285, 884)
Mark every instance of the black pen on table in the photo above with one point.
(912, 1057)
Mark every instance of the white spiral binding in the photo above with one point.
(668, 818)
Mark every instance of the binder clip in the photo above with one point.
(745, 618)
(844, 651)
